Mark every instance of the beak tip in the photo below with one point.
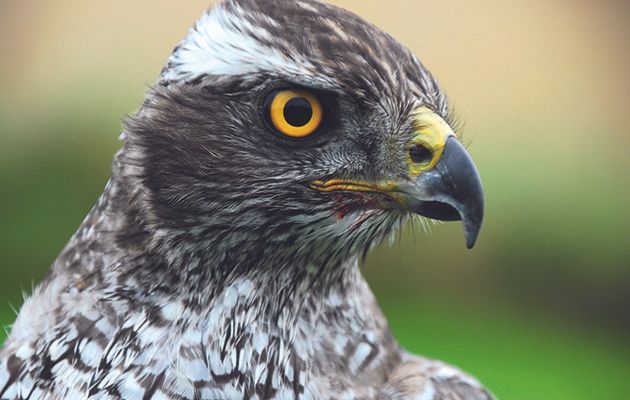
(471, 232)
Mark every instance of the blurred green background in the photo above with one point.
(540, 309)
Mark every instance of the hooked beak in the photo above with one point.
(451, 191)
(443, 182)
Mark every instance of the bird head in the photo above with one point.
(297, 129)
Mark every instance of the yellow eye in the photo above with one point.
(295, 113)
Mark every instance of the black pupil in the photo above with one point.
(298, 111)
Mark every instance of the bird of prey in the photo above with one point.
(281, 142)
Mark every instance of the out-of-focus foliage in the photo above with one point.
(539, 309)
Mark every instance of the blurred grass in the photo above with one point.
(518, 358)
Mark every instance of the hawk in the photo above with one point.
(281, 142)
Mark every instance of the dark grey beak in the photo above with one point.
(451, 191)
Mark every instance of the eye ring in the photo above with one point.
(295, 113)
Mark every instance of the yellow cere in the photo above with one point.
(278, 118)
(432, 132)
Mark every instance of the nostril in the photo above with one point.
(420, 154)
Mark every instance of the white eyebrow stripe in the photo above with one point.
(226, 43)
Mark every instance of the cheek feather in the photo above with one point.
(345, 205)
